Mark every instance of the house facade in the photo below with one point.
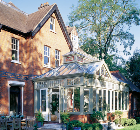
(81, 86)
(30, 45)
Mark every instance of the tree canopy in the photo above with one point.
(133, 68)
(104, 24)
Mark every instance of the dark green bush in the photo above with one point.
(97, 126)
(137, 119)
(64, 117)
(77, 123)
(87, 126)
(116, 121)
(97, 115)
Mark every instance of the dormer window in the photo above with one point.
(15, 49)
(52, 24)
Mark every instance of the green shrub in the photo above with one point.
(116, 121)
(123, 121)
(97, 126)
(87, 126)
(137, 119)
(64, 117)
(97, 115)
(118, 113)
(77, 123)
(39, 117)
(133, 122)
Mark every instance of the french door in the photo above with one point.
(44, 103)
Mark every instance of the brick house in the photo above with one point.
(30, 45)
(134, 107)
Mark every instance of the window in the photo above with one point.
(46, 56)
(119, 100)
(86, 100)
(57, 58)
(15, 49)
(116, 100)
(135, 107)
(73, 99)
(52, 24)
(100, 100)
(104, 100)
(109, 100)
(94, 100)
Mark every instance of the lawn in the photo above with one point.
(135, 127)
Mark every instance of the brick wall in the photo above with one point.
(31, 57)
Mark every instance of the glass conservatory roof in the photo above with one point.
(72, 68)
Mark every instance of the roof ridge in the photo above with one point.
(45, 15)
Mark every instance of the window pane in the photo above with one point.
(100, 100)
(104, 99)
(70, 100)
(86, 100)
(51, 26)
(119, 101)
(43, 100)
(46, 60)
(125, 101)
(94, 100)
(48, 51)
(115, 100)
(76, 99)
(109, 100)
(122, 100)
(112, 100)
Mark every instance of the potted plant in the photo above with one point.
(54, 107)
(39, 119)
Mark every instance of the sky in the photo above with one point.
(31, 6)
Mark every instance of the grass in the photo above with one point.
(134, 127)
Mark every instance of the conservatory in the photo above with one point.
(80, 86)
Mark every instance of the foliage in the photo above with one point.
(97, 126)
(137, 119)
(77, 123)
(39, 117)
(118, 113)
(87, 126)
(64, 117)
(77, 98)
(54, 104)
(102, 24)
(132, 67)
(69, 125)
(97, 115)
(134, 127)
(128, 122)
(116, 121)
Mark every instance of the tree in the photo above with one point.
(133, 68)
(102, 24)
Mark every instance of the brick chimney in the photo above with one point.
(43, 5)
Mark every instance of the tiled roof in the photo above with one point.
(118, 75)
(13, 17)
(69, 29)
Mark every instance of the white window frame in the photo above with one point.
(52, 22)
(47, 54)
(57, 57)
(15, 48)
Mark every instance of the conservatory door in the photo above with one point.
(44, 103)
